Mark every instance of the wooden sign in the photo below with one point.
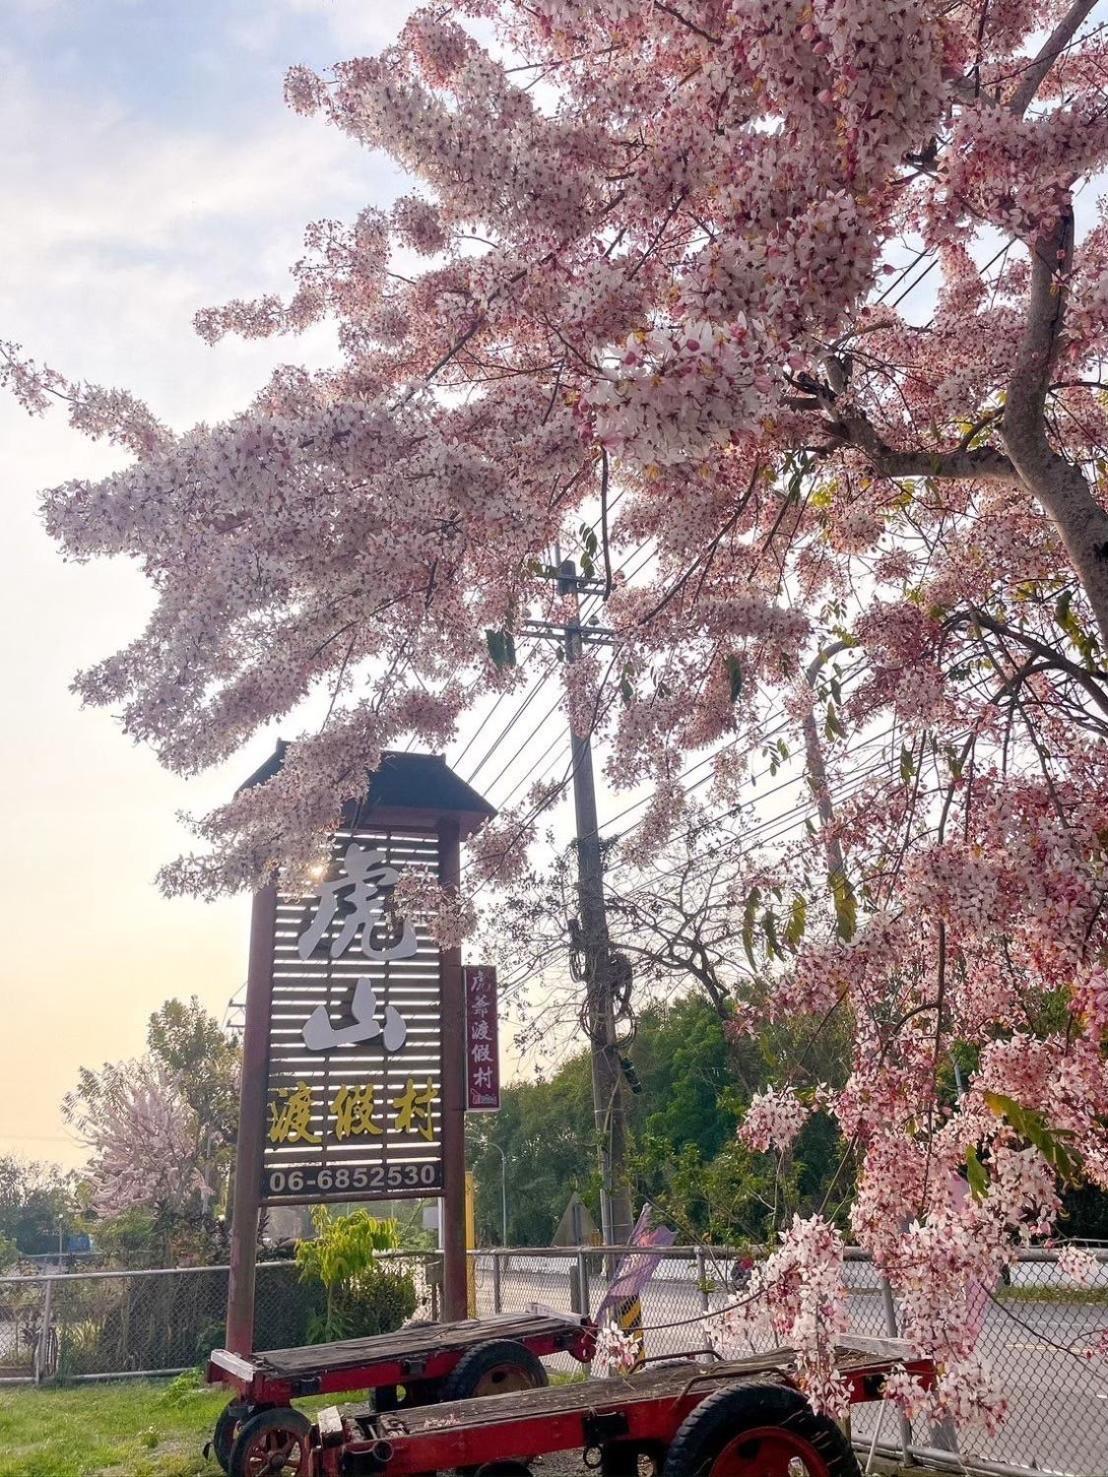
(354, 1068)
(482, 1043)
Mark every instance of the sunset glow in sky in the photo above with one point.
(150, 169)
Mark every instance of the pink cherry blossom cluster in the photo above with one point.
(144, 1147)
(796, 1300)
(617, 1352)
(1078, 1264)
(774, 1119)
(447, 914)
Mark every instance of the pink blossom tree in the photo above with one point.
(146, 1149)
(818, 287)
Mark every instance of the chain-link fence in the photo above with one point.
(1034, 1332)
(103, 1325)
(1035, 1329)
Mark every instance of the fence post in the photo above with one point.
(42, 1349)
(893, 1331)
(496, 1281)
(582, 1289)
(702, 1279)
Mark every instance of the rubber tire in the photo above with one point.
(725, 1414)
(274, 1418)
(475, 1363)
(226, 1426)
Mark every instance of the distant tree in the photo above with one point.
(147, 1148)
(35, 1199)
(160, 1130)
(545, 1130)
(697, 1079)
(189, 1042)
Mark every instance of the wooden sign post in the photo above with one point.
(354, 1071)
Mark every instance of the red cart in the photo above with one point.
(739, 1419)
(415, 1366)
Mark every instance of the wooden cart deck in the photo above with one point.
(422, 1353)
(412, 1344)
(639, 1412)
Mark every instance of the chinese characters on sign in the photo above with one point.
(364, 874)
(482, 1048)
(354, 1099)
(360, 884)
(351, 1112)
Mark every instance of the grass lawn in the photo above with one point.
(1083, 1295)
(136, 1428)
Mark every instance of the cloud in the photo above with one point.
(356, 26)
(115, 234)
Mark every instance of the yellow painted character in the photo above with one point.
(290, 1116)
(413, 1110)
(353, 1110)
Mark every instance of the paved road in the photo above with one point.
(1058, 1417)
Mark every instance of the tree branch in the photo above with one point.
(688, 24)
(1056, 43)
(976, 464)
(1058, 484)
(1087, 680)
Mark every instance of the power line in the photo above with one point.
(588, 610)
(804, 808)
(707, 778)
(560, 742)
(849, 788)
(506, 730)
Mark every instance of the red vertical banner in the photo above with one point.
(482, 1049)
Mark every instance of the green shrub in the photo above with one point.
(360, 1297)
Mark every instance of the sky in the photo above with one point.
(150, 168)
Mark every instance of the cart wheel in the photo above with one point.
(759, 1431)
(492, 1369)
(223, 1436)
(271, 1441)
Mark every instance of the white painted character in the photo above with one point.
(365, 874)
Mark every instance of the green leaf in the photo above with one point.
(976, 1175)
(833, 727)
(502, 648)
(798, 919)
(846, 906)
(907, 764)
(769, 928)
(735, 676)
(626, 691)
(1055, 1145)
(748, 924)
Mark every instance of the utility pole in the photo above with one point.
(600, 967)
